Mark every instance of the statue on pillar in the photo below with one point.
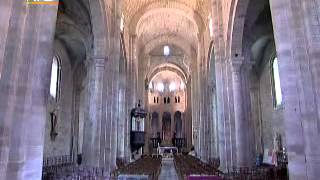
(53, 123)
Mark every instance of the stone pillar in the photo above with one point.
(250, 136)
(195, 109)
(75, 122)
(129, 103)
(296, 30)
(5, 13)
(212, 142)
(204, 111)
(122, 110)
(226, 129)
(92, 147)
(240, 124)
(207, 117)
(188, 116)
(220, 115)
(255, 113)
(25, 55)
(135, 69)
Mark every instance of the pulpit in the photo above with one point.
(137, 134)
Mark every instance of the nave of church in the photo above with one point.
(159, 89)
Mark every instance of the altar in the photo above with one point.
(167, 151)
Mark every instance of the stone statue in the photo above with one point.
(53, 122)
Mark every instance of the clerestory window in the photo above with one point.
(276, 83)
(55, 78)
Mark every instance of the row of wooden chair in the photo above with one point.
(187, 165)
(190, 165)
(147, 165)
(256, 173)
(74, 172)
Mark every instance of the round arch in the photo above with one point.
(170, 67)
(238, 11)
(178, 41)
(99, 28)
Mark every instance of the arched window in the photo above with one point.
(55, 78)
(210, 26)
(276, 83)
(166, 51)
(122, 23)
(172, 87)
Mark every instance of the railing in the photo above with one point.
(57, 160)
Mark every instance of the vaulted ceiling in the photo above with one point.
(156, 22)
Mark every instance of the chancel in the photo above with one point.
(160, 89)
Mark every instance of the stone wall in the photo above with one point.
(271, 116)
(63, 108)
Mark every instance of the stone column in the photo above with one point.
(250, 136)
(212, 120)
(255, 113)
(5, 13)
(220, 115)
(128, 100)
(188, 116)
(240, 125)
(122, 110)
(296, 30)
(25, 55)
(75, 122)
(92, 154)
(225, 122)
(207, 117)
(195, 110)
(135, 69)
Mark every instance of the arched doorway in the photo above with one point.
(166, 128)
(154, 124)
(178, 124)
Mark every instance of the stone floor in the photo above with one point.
(168, 172)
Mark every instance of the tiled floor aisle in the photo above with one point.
(168, 172)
